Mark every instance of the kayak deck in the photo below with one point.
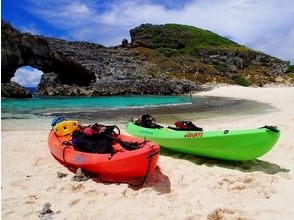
(235, 145)
(122, 165)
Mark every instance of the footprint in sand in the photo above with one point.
(40, 161)
(21, 183)
(73, 202)
(91, 192)
(31, 199)
(77, 188)
(223, 213)
(248, 182)
(10, 212)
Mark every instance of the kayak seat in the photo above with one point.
(185, 129)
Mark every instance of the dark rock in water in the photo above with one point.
(161, 59)
(14, 90)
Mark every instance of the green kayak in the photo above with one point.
(235, 145)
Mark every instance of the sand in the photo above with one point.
(182, 186)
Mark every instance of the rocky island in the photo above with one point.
(160, 59)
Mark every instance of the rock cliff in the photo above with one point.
(14, 90)
(161, 59)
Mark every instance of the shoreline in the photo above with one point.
(199, 109)
(182, 187)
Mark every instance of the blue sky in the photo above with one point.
(264, 25)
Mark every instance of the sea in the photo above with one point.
(120, 109)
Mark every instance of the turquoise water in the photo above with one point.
(114, 107)
(13, 108)
(37, 113)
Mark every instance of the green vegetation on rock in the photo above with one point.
(168, 52)
(187, 39)
(198, 55)
(161, 59)
(290, 69)
(241, 81)
(220, 68)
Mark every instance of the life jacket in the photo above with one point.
(146, 121)
(66, 127)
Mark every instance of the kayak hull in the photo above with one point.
(236, 145)
(122, 165)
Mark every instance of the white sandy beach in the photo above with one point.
(182, 186)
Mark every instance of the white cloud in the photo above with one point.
(133, 13)
(30, 28)
(280, 44)
(27, 76)
(263, 25)
(63, 13)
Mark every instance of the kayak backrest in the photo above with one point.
(186, 126)
(146, 121)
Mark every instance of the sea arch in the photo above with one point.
(27, 76)
(23, 49)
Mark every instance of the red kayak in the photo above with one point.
(120, 166)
